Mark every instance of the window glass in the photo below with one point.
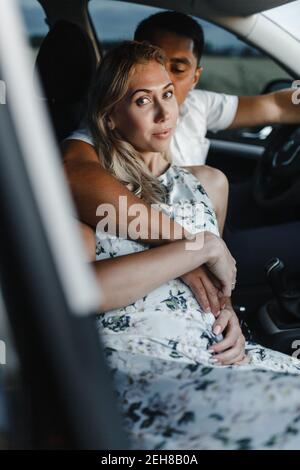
(34, 21)
(230, 65)
(116, 21)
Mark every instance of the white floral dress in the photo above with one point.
(171, 394)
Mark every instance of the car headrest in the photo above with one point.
(66, 62)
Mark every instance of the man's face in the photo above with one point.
(181, 61)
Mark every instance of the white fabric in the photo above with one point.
(201, 111)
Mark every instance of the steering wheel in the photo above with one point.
(277, 175)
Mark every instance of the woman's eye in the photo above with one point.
(142, 101)
(169, 94)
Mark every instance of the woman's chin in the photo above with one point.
(161, 146)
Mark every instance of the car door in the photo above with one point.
(64, 395)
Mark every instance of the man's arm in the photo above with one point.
(91, 185)
(273, 108)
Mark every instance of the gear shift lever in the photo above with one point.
(276, 276)
(279, 318)
(288, 300)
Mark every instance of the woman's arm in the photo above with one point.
(130, 277)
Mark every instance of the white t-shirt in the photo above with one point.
(201, 111)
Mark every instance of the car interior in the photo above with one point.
(265, 159)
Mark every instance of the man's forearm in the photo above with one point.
(92, 186)
(273, 108)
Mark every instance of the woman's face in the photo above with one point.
(146, 117)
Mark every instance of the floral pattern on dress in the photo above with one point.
(171, 394)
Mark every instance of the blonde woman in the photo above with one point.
(175, 392)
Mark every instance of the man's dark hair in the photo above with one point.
(173, 22)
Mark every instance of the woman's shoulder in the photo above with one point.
(187, 176)
(193, 175)
(202, 172)
(196, 170)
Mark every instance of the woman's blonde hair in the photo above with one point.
(110, 86)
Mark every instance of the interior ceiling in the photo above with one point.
(215, 7)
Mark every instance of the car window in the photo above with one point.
(116, 21)
(35, 23)
(230, 65)
(234, 67)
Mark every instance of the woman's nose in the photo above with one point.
(162, 112)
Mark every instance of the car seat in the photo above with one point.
(66, 63)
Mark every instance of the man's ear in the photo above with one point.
(197, 75)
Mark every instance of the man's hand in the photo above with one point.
(206, 289)
(231, 350)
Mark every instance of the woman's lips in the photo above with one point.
(163, 134)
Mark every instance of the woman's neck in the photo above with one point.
(156, 162)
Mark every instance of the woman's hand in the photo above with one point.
(220, 263)
(206, 289)
(231, 350)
